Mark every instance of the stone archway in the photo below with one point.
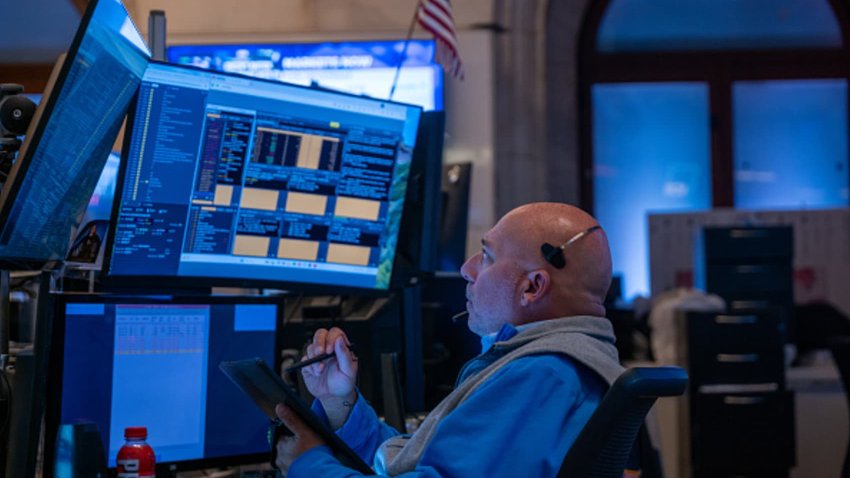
(536, 101)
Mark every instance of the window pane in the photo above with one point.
(790, 143)
(651, 153)
(681, 25)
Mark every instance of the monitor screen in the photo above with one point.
(454, 217)
(71, 136)
(420, 222)
(231, 180)
(121, 361)
(359, 67)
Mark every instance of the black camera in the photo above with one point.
(16, 112)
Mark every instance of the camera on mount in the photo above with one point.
(16, 112)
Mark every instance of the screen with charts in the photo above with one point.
(71, 136)
(244, 181)
(122, 362)
(359, 67)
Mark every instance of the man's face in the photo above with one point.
(493, 282)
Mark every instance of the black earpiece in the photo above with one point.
(555, 254)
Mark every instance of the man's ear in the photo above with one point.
(537, 285)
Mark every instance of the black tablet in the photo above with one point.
(267, 389)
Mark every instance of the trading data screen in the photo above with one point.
(156, 365)
(237, 179)
(71, 136)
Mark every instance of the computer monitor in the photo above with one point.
(70, 137)
(359, 67)
(454, 217)
(417, 250)
(153, 362)
(231, 180)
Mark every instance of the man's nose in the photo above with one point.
(468, 270)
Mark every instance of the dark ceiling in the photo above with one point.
(36, 31)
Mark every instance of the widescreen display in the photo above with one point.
(238, 180)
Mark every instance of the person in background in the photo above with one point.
(535, 296)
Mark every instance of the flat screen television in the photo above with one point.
(232, 180)
(153, 362)
(70, 137)
(359, 67)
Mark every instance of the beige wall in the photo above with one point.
(469, 104)
(288, 17)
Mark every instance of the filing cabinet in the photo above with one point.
(749, 267)
(741, 416)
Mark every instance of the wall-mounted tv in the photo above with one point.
(358, 67)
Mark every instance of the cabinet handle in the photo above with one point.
(747, 233)
(749, 304)
(736, 319)
(736, 400)
(737, 358)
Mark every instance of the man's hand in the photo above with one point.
(332, 381)
(291, 447)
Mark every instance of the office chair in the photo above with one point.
(840, 347)
(604, 445)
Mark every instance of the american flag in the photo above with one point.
(436, 17)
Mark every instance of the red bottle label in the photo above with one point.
(136, 461)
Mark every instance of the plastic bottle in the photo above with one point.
(136, 458)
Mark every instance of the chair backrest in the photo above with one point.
(840, 347)
(604, 445)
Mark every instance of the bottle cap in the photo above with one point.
(136, 432)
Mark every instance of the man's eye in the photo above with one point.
(485, 257)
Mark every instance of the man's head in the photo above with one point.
(510, 281)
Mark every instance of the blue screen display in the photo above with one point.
(156, 365)
(231, 178)
(72, 135)
(361, 67)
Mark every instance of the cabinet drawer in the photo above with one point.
(736, 331)
(724, 243)
(742, 432)
(751, 277)
(735, 348)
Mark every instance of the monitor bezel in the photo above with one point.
(112, 282)
(53, 404)
(32, 140)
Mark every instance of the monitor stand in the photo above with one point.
(29, 384)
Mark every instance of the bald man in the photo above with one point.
(535, 296)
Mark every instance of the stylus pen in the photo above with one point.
(316, 359)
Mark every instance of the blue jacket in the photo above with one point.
(484, 436)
